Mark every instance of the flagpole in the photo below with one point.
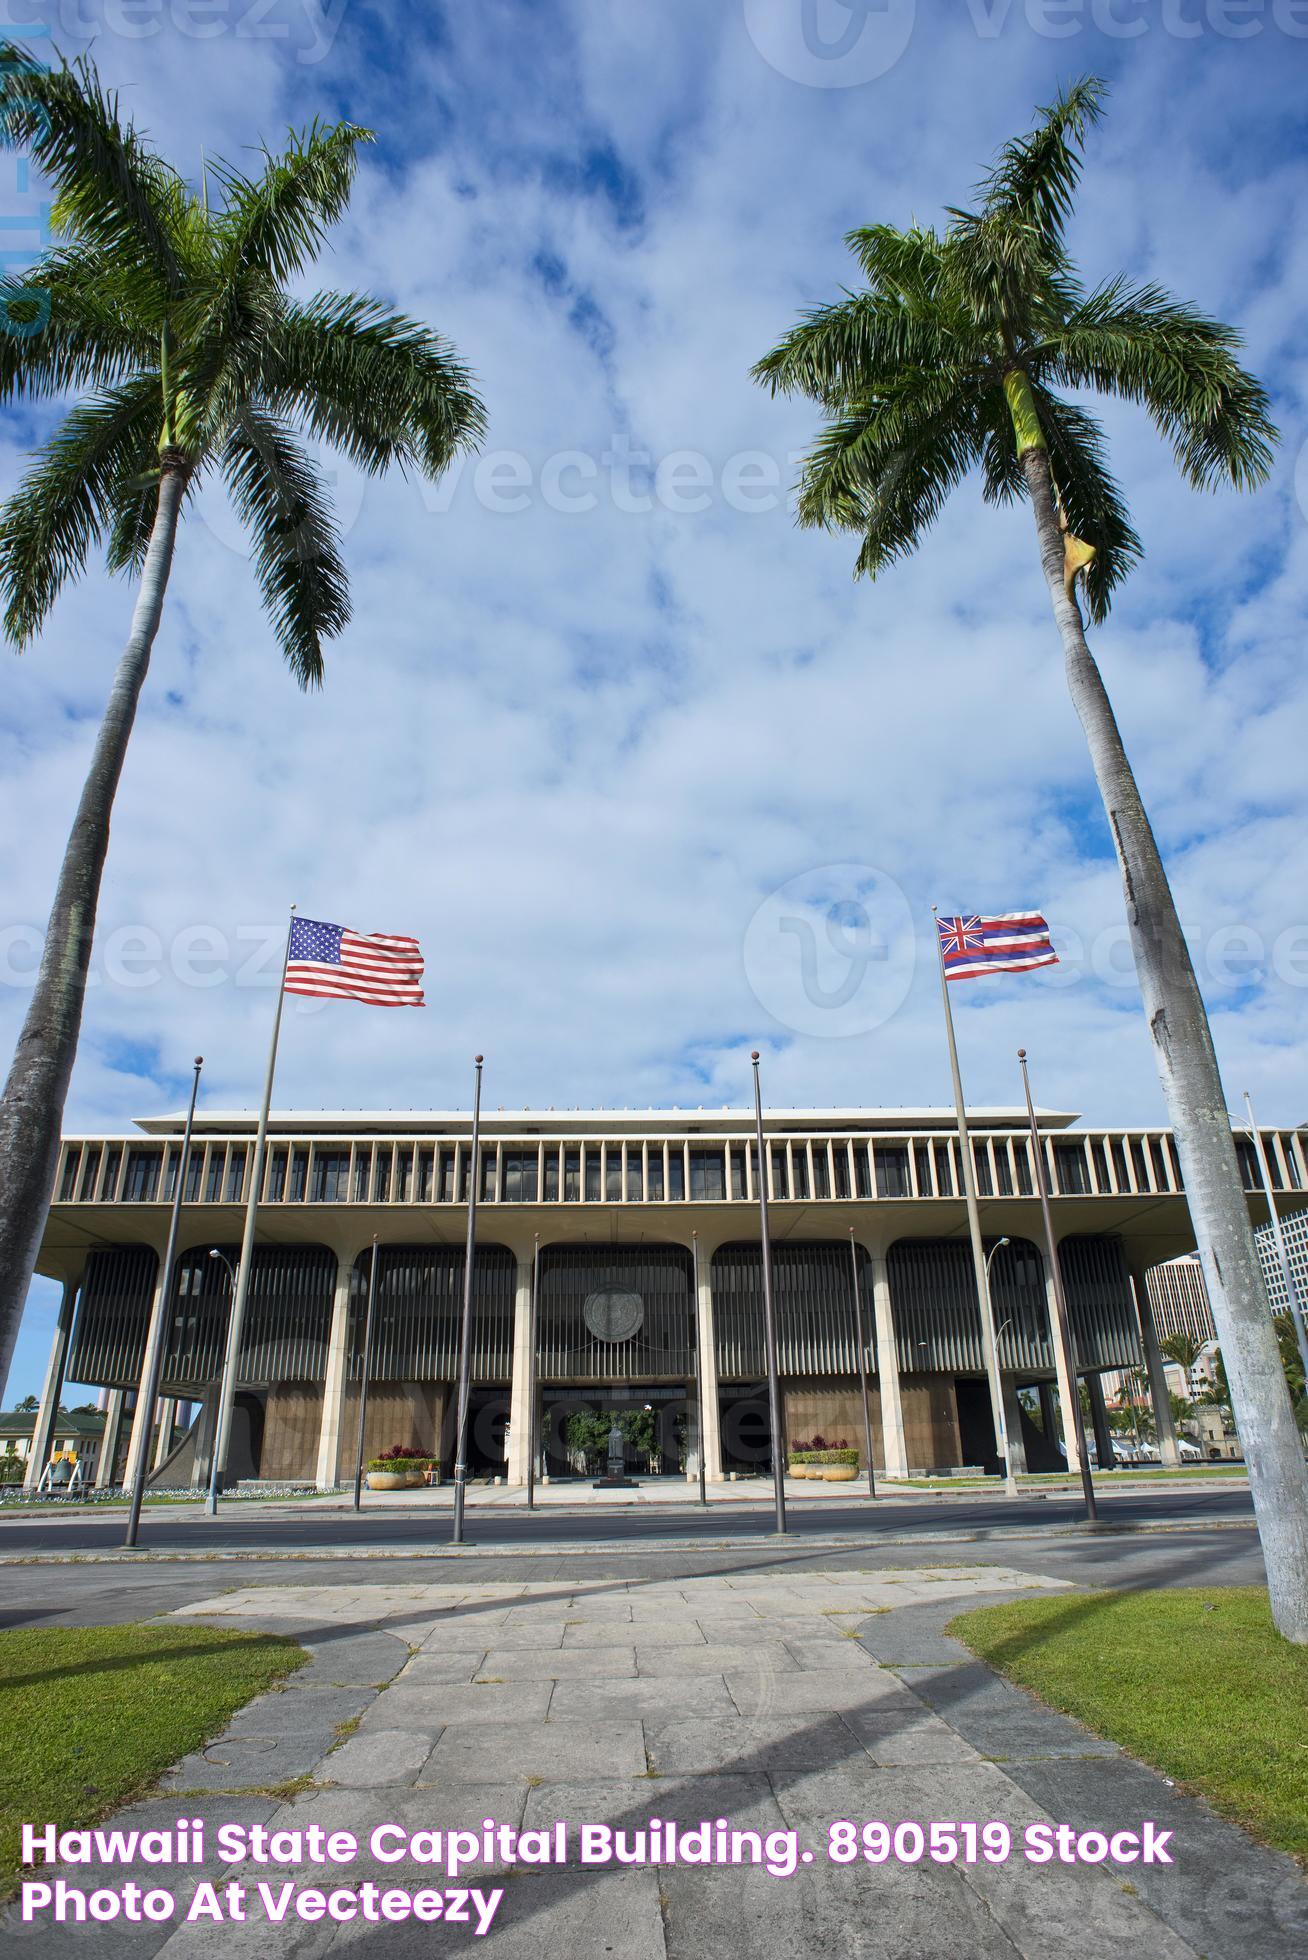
(227, 1388)
(138, 1450)
(862, 1367)
(989, 1346)
(531, 1375)
(465, 1330)
(699, 1366)
(770, 1318)
(1293, 1305)
(367, 1364)
(1072, 1422)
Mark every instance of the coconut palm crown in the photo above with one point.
(170, 314)
(967, 341)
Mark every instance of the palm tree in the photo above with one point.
(959, 355)
(174, 322)
(1183, 1349)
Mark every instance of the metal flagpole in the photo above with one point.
(769, 1317)
(148, 1392)
(367, 1367)
(862, 1367)
(1062, 1324)
(699, 1366)
(1293, 1304)
(989, 1346)
(465, 1331)
(227, 1390)
(531, 1375)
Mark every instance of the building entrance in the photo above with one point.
(575, 1423)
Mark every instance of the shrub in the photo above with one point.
(824, 1456)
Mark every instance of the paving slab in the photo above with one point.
(558, 1664)
(655, 1697)
(714, 1658)
(548, 1752)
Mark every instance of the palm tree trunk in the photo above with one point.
(1192, 1084)
(32, 1109)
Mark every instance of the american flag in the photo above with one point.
(1010, 942)
(378, 968)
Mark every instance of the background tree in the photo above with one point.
(176, 318)
(959, 356)
(1183, 1349)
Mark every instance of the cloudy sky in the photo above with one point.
(652, 779)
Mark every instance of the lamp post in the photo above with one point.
(862, 1367)
(211, 1503)
(769, 1317)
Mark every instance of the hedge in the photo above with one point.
(824, 1456)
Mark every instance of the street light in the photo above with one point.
(1010, 1481)
(211, 1503)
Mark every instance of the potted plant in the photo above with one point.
(402, 1467)
(832, 1464)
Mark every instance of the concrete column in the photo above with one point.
(52, 1387)
(330, 1437)
(1099, 1417)
(113, 1435)
(711, 1443)
(138, 1447)
(1067, 1397)
(1048, 1411)
(206, 1425)
(520, 1413)
(893, 1441)
(1013, 1424)
(167, 1431)
(1168, 1451)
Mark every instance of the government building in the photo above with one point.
(630, 1242)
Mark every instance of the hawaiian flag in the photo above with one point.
(334, 963)
(1010, 942)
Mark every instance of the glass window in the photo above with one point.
(445, 1184)
(862, 1171)
(465, 1166)
(1139, 1164)
(426, 1175)
(780, 1177)
(194, 1174)
(68, 1184)
(276, 1181)
(821, 1171)
(1250, 1175)
(1100, 1163)
(654, 1174)
(840, 1157)
(1159, 1161)
(1070, 1165)
(1118, 1155)
(113, 1157)
(799, 1171)
(613, 1173)
(922, 1165)
(362, 1173)
(594, 1171)
(1003, 1171)
(981, 1165)
(676, 1174)
(551, 1175)
(707, 1175)
(892, 1171)
(90, 1167)
(571, 1176)
(404, 1176)
(1022, 1160)
(1287, 1149)
(520, 1176)
(299, 1174)
(738, 1170)
(213, 1183)
(635, 1175)
(381, 1177)
(235, 1175)
(488, 1173)
(1176, 1164)
(331, 1176)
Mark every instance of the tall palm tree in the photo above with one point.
(1183, 1349)
(173, 322)
(958, 356)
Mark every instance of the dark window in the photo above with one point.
(1070, 1164)
(1176, 1163)
(68, 1183)
(840, 1157)
(276, 1184)
(1100, 1163)
(404, 1176)
(981, 1163)
(445, 1187)
(1140, 1166)
(737, 1171)
(331, 1177)
(594, 1187)
(465, 1171)
(821, 1171)
(1291, 1162)
(1003, 1171)
(1250, 1176)
(1118, 1155)
(862, 1172)
(922, 1165)
(235, 1176)
(426, 1175)
(381, 1177)
(654, 1172)
(571, 1176)
(799, 1171)
(780, 1179)
(707, 1174)
(299, 1175)
(194, 1172)
(520, 1176)
(487, 1176)
(113, 1157)
(213, 1183)
(944, 1171)
(551, 1175)
(892, 1171)
(90, 1166)
(1022, 1162)
(635, 1175)
(1159, 1161)
(676, 1174)
(613, 1173)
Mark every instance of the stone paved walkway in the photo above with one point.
(774, 1701)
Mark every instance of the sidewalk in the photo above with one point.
(773, 1700)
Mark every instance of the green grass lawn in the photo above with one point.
(94, 1715)
(1195, 1681)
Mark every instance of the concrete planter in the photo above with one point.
(415, 1479)
(386, 1480)
(838, 1473)
(802, 1470)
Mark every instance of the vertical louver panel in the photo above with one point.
(659, 1350)
(813, 1286)
(1099, 1302)
(420, 1308)
(937, 1319)
(287, 1317)
(109, 1336)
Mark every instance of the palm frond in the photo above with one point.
(281, 499)
(78, 318)
(112, 191)
(62, 507)
(1144, 346)
(855, 345)
(1088, 496)
(374, 384)
(275, 222)
(900, 264)
(1034, 178)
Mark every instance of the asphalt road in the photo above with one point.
(249, 1530)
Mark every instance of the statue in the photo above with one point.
(617, 1450)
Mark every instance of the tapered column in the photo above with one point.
(113, 1436)
(1164, 1428)
(138, 1446)
(893, 1440)
(1099, 1417)
(205, 1427)
(711, 1441)
(331, 1434)
(53, 1387)
(520, 1377)
(1013, 1423)
(166, 1435)
(1069, 1406)
(1048, 1412)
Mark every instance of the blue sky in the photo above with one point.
(650, 776)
